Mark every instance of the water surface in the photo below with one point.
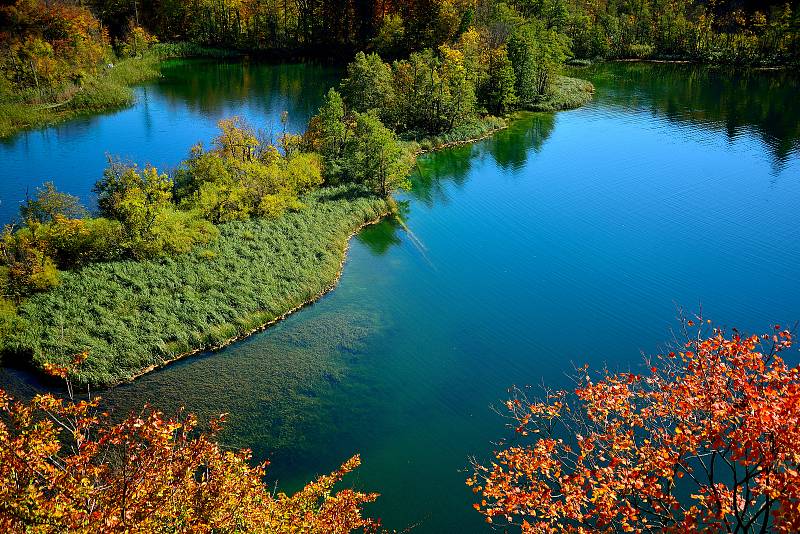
(567, 238)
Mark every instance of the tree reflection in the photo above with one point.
(734, 102)
(381, 237)
(268, 89)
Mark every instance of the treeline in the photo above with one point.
(738, 31)
(47, 44)
(723, 31)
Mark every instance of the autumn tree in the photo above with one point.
(66, 467)
(708, 439)
(25, 267)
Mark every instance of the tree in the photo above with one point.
(327, 134)
(498, 89)
(536, 53)
(142, 202)
(707, 440)
(375, 157)
(389, 39)
(50, 203)
(456, 95)
(368, 85)
(66, 467)
(132, 197)
(24, 266)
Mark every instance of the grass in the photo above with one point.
(465, 133)
(133, 316)
(565, 93)
(109, 89)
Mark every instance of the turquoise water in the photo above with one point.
(566, 239)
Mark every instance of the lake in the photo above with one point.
(566, 239)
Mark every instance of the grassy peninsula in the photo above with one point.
(249, 229)
(133, 316)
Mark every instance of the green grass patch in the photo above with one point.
(464, 133)
(565, 93)
(133, 315)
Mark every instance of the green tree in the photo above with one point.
(498, 90)
(368, 85)
(536, 54)
(375, 157)
(327, 134)
(142, 202)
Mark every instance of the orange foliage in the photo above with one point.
(708, 439)
(64, 467)
(48, 43)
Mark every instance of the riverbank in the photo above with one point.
(566, 93)
(109, 89)
(136, 316)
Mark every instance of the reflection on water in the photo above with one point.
(735, 102)
(566, 238)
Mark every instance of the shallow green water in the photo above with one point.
(568, 238)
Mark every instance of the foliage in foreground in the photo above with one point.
(708, 440)
(131, 315)
(65, 467)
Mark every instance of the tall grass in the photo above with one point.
(134, 315)
(464, 133)
(565, 93)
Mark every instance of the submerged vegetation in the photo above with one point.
(132, 316)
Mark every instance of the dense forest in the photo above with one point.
(710, 30)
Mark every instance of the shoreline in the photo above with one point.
(215, 347)
(252, 331)
(111, 89)
(35, 350)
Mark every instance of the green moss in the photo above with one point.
(134, 315)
